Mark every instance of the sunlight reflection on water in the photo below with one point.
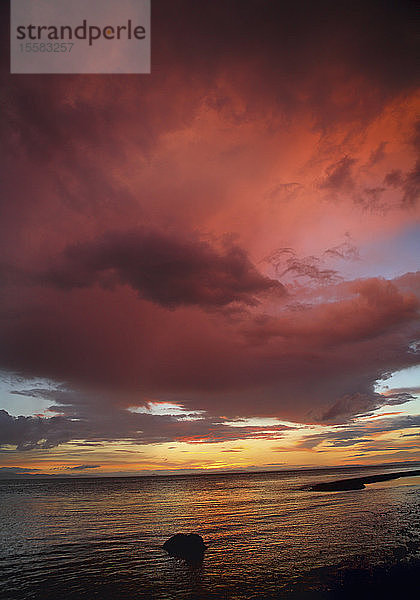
(102, 537)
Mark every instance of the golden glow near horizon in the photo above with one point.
(361, 441)
(250, 454)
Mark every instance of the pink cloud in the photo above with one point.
(231, 149)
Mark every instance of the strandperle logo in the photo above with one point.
(82, 32)
(81, 36)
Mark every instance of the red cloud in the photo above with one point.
(166, 269)
(240, 133)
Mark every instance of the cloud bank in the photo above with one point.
(137, 215)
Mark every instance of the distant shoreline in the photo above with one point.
(8, 475)
(358, 483)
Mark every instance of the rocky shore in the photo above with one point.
(358, 483)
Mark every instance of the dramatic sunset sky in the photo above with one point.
(215, 266)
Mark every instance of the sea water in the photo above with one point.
(268, 536)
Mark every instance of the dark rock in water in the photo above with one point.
(190, 547)
(339, 486)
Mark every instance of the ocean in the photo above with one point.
(268, 537)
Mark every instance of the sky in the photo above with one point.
(215, 266)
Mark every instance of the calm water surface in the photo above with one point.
(267, 537)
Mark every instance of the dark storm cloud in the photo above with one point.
(34, 432)
(371, 308)
(257, 45)
(408, 183)
(16, 470)
(373, 39)
(411, 186)
(362, 403)
(383, 447)
(315, 365)
(394, 178)
(164, 269)
(409, 391)
(83, 467)
(342, 181)
(359, 433)
(342, 177)
(339, 176)
(110, 423)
